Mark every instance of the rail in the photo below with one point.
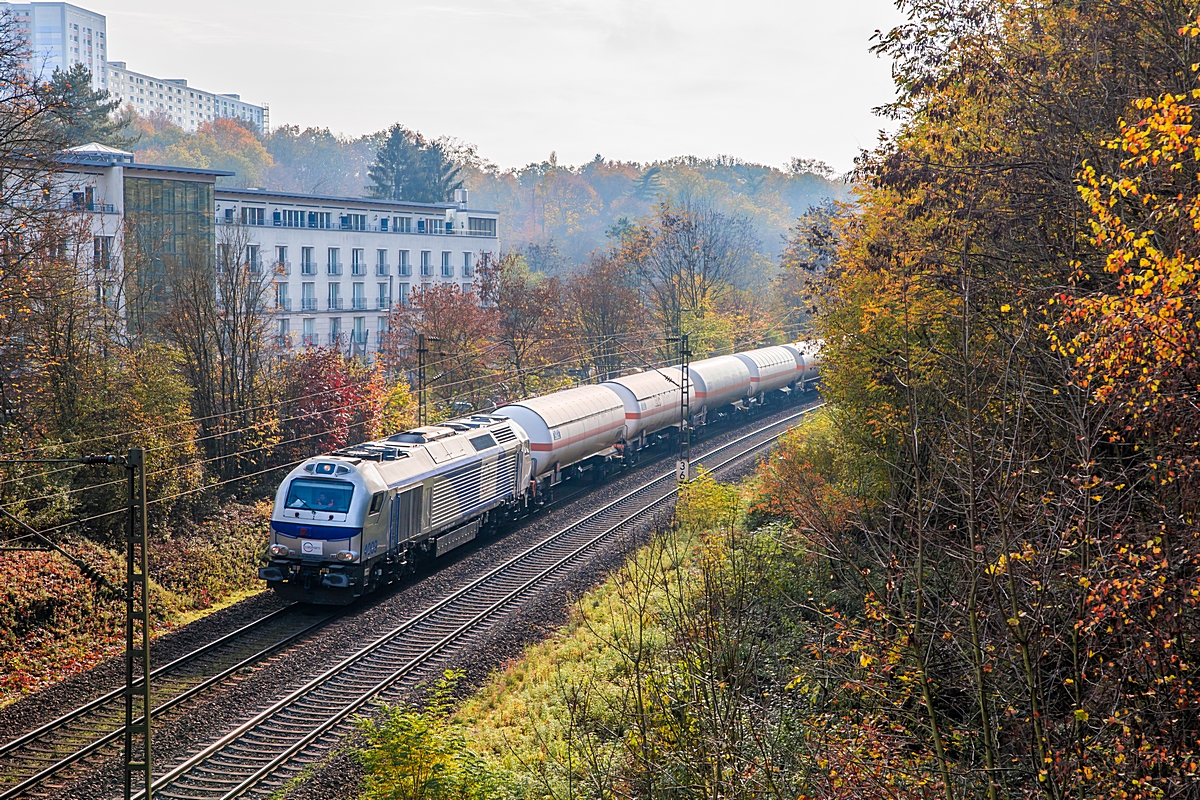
(261, 746)
(33, 757)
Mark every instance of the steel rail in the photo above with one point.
(13, 748)
(223, 782)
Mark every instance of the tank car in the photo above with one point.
(570, 432)
(808, 363)
(652, 401)
(347, 522)
(772, 370)
(718, 382)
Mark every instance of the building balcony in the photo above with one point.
(335, 304)
(284, 341)
(308, 304)
(405, 271)
(383, 304)
(358, 269)
(382, 270)
(254, 267)
(283, 304)
(309, 268)
(333, 269)
(336, 339)
(283, 268)
(359, 338)
(309, 340)
(359, 304)
(426, 271)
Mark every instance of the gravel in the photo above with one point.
(187, 730)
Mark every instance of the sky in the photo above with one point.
(633, 80)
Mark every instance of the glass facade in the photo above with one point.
(169, 227)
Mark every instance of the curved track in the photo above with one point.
(263, 753)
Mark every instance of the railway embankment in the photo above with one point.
(55, 627)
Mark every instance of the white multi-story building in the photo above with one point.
(186, 106)
(339, 264)
(61, 35)
(334, 266)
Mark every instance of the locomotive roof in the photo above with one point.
(394, 446)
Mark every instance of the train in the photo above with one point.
(349, 522)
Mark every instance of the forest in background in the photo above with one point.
(556, 214)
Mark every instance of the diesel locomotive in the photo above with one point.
(346, 523)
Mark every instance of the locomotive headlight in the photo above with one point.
(345, 555)
(279, 550)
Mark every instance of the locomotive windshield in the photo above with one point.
(332, 496)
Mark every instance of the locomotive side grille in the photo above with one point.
(464, 489)
(506, 473)
(504, 434)
(456, 492)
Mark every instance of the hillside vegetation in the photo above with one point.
(979, 577)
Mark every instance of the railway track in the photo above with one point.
(32, 761)
(263, 753)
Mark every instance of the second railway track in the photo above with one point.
(263, 753)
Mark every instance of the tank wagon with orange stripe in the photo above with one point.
(356, 519)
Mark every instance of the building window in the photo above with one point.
(334, 264)
(384, 302)
(447, 267)
(381, 265)
(426, 263)
(354, 222)
(358, 265)
(322, 220)
(468, 265)
(335, 297)
(402, 224)
(292, 219)
(102, 252)
(360, 330)
(335, 331)
(281, 260)
(253, 262)
(358, 295)
(381, 325)
(285, 333)
(282, 301)
(310, 332)
(481, 226)
(403, 293)
(309, 297)
(405, 267)
(308, 264)
(254, 216)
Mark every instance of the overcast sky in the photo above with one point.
(637, 80)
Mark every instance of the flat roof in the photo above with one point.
(244, 194)
(214, 173)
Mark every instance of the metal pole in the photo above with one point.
(684, 462)
(421, 353)
(137, 624)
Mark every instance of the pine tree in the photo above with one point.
(85, 114)
(410, 167)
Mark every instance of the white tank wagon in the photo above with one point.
(717, 382)
(569, 427)
(771, 369)
(651, 400)
(350, 521)
(808, 362)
